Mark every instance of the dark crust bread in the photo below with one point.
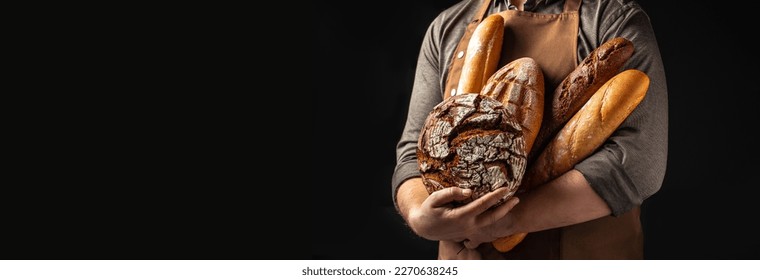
(470, 141)
(576, 89)
(589, 128)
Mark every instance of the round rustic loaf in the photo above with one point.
(471, 141)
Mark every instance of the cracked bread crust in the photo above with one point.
(471, 141)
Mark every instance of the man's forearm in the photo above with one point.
(567, 200)
(410, 194)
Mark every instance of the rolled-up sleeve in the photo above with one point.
(630, 166)
(426, 93)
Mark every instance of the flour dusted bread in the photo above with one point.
(590, 127)
(470, 141)
(586, 131)
(519, 85)
(482, 55)
(598, 67)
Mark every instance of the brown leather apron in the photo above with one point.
(551, 40)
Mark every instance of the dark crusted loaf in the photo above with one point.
(470, 141)
(576, 89)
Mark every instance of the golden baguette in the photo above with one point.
(576, 89)
(505, 244)
(583, 134)
(590, 126)
(482, 55)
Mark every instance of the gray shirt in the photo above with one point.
(630, 166)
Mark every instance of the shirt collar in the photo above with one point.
(533, 3)
(530, 4)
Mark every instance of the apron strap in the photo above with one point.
(481, 11)
(455, 68)
(572, 5)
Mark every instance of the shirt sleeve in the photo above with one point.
(630, 166)
(426, 93)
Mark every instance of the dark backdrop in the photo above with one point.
(366, 56)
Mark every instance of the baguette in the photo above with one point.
(505, 244)
(596, 69)
(482, 55)
(519, 85)
(588, 129)
(576, 89)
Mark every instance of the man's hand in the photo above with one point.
(434, 217)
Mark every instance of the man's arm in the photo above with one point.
(630, 166)
(410, 195)
(565, 201)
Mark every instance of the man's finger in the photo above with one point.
(495, 214)
(469, 244)
(480, 205)
(447, 195)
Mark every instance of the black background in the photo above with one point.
(706, 209)
(185, 163)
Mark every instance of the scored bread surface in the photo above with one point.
(470, 141)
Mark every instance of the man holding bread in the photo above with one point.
(583, 82)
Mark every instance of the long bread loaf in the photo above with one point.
(586, 131)
(597, 68)
(482, 55)
(519, 85)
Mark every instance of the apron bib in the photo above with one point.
(551, 40)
